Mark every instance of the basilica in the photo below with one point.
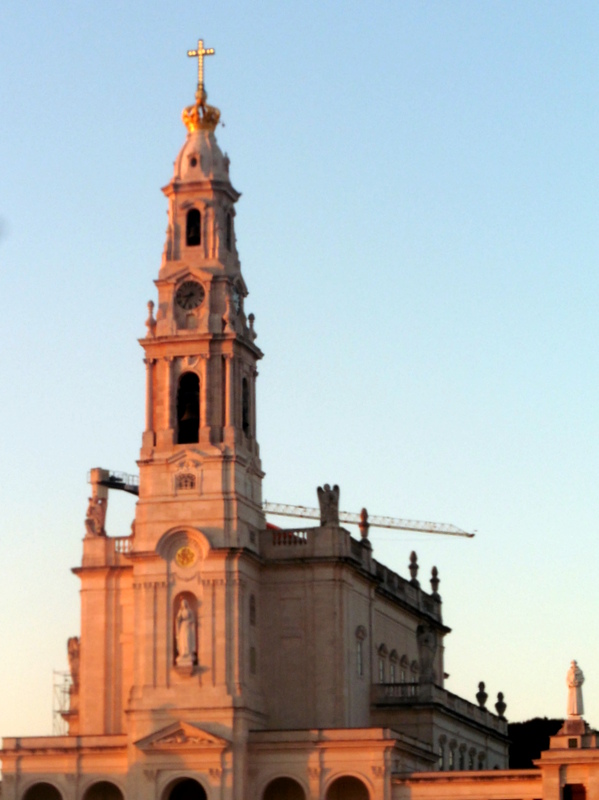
(221, 657)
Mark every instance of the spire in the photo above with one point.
(200, 115)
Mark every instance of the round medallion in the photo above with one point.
(189, 295)
(185, 556)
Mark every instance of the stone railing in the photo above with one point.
(401, 695)
(123, 544)
(289, 538)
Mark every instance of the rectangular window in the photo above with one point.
(381, 670)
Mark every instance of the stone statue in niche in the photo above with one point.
(427, 649)
(95, 516)
(186, 635)
(328, 500)
(575, 679)
(73, 656)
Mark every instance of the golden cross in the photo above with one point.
(199, 54)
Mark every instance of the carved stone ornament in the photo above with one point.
(151, 322)
(328, 500)
(185, 556)
(95, 516)
(73, 656)
(481, 695)
(500, 706)
(413, 567)
(182, 734)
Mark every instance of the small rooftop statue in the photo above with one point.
(575, 679)
(574, 724)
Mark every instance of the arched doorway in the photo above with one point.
(347, 788)
(103, 790)
(284, 789)
(42, 791)
(186, 789)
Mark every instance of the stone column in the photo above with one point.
(253, 402)
(148, 434)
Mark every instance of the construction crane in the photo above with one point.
(130, 484)
(364, 520)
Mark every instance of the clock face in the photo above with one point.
(189, 295)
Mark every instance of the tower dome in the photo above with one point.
(201, 158)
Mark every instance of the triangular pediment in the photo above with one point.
(188, 459)
(182, 736)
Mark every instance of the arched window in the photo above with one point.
(185, 480)
(441, 752)
(193, 228)
(188, 408)
(393, 659)
(359, 658)
(186, 789)
(245, 406)
(382, 652)
(360, 636)
(452, 747)
(42, 791)
(284, 789)
(103, 790)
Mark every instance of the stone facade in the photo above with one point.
(219, 656)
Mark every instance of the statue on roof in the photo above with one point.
(575, 679)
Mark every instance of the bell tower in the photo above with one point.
(199, 461)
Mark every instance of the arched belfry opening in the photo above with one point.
(245, 406)
(229, 231)
(193, 228)
(42, 791)
(103, 790)
(188, 409)
(186, 789)
(284, 789)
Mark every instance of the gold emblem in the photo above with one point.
(185, 556)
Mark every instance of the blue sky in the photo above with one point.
(418, 231)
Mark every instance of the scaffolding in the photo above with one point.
(61, 686)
